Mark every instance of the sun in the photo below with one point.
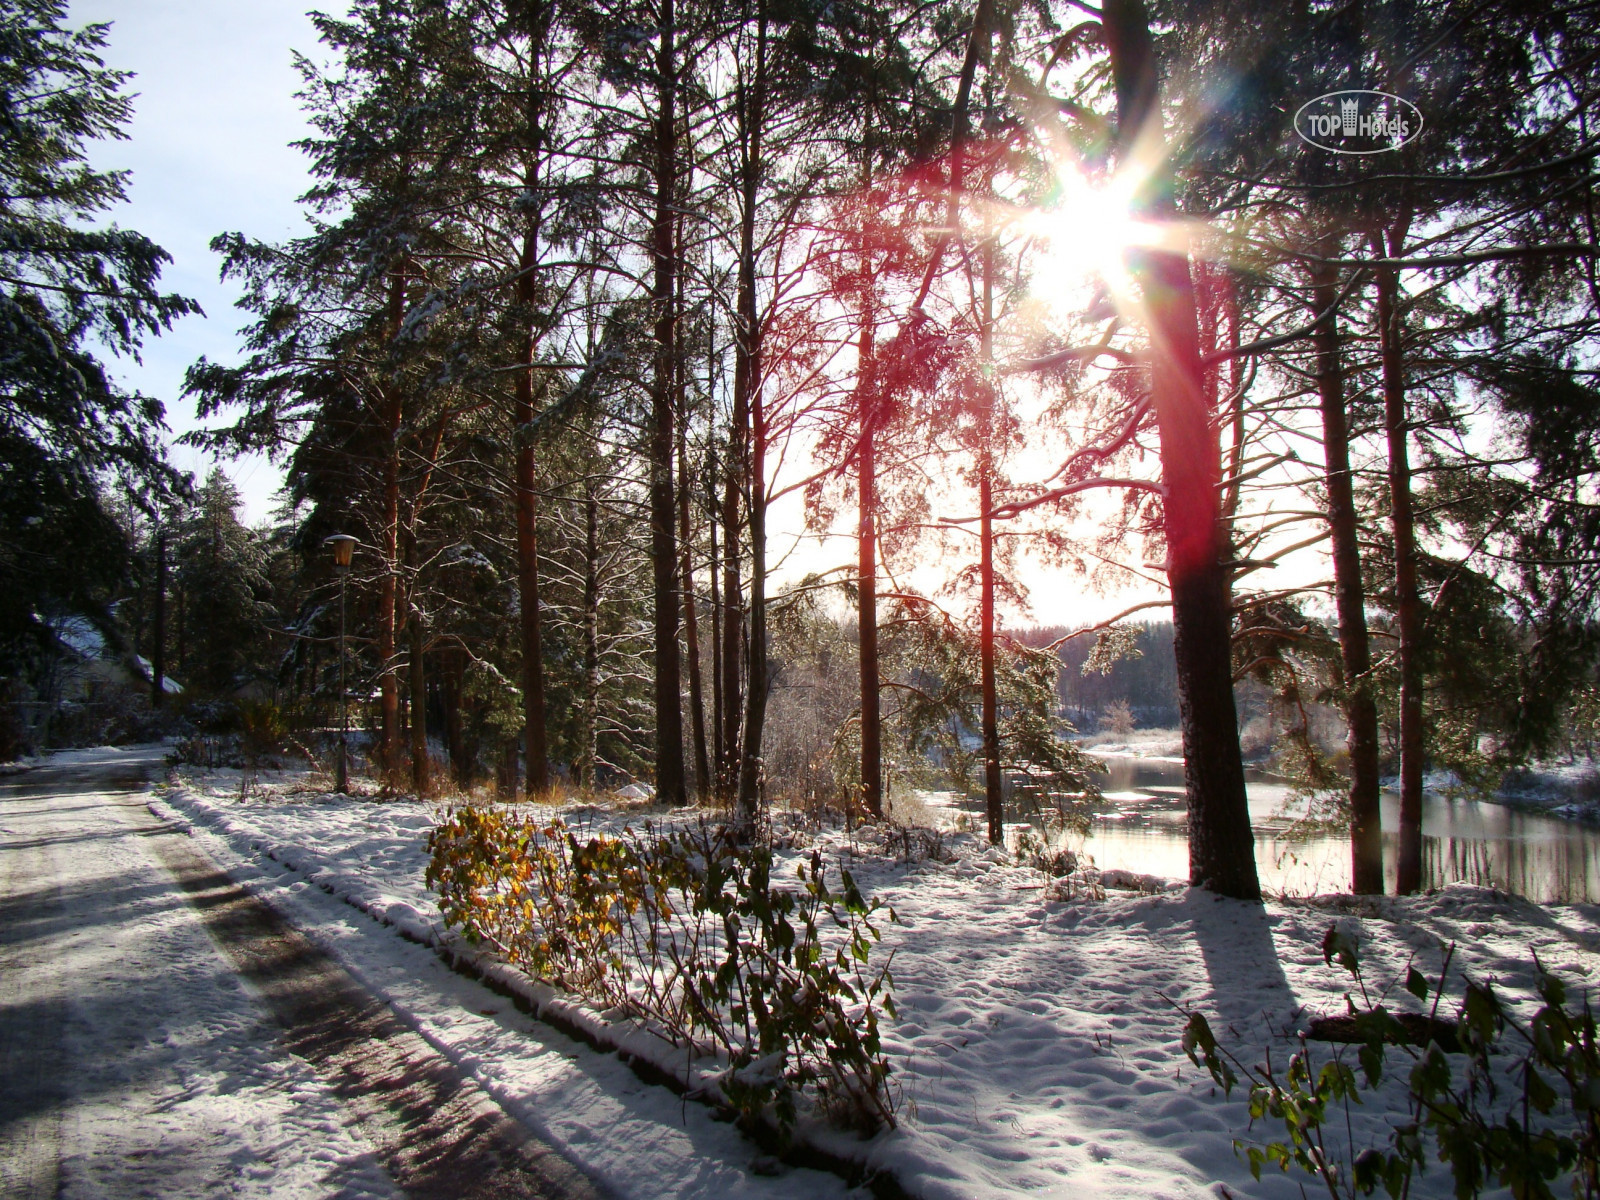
(1084, 231)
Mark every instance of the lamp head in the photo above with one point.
(343, 547)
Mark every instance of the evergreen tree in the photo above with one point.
(68, 291)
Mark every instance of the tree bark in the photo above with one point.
(158, 648)
(993, 800)
(718, 760)
(416, 661)
(1221, 844)
(1407, 600)
(670, 787)
(589, 736)
(867, 584)
(735, 479)
(755, 714)
(388, 614)
(691, 627)
(421, 781)
(533, 708)
(1361, 711)
(747, 382)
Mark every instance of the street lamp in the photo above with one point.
(343, 547)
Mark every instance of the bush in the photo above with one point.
(683, 930)
(1502, 1101)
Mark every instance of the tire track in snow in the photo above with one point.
(436, 1133)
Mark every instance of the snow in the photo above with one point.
(340, 867)
(169, 1078)
(1037, 1049)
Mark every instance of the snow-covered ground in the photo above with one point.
(1037, 1047)
(135, 1063)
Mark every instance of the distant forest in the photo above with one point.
(1146, 679)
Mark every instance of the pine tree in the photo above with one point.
(67, 290)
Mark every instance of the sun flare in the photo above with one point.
(1085, 232)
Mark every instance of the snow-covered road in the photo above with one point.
(164, 1033)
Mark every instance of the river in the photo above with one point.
(1141, 828)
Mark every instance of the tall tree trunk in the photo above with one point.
(589, 736)
(736, 475)
(533, 717)
(1361, 711)
(868, 407)
(691, 626)
(750, 766)
(993, 801)
(158, 648)
(388, 607)
(718, 754)
(1221, 845)
(1407, 600)
(421, 781)
(670, 787)
(747, 381)
(867, 584)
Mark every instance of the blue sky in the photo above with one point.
(209, 150)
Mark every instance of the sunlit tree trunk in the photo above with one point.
(747, 379)
(1361, 712)
(1221, 845)
(993, 799)
(691, 625)
(670, 787)
(867, 584)
(1407, 601)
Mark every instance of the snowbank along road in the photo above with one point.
(165, 1033)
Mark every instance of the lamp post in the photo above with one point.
(343, 548)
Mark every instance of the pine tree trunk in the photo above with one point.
(670, 787)
(589, 737)
(421, 781)
(388, 614)
(867, 583)
(747, 381)
(993, 799)
(537, 767)
(718, 755)
(755, 714)
(691, 627)
(1221, 844)
(158, 648)
(867, 405)
(737, 470)
(1407, 601)
(1361, 712)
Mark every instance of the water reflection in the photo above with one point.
(1464, 841)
